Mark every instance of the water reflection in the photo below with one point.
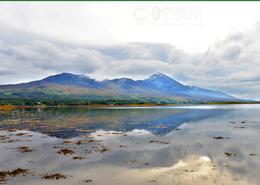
(70, 122)
(134, 146)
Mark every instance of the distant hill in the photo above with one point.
(67, 87)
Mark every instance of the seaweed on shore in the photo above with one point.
(24, 149)
(65, 151)
(13, 173)
(55, 176)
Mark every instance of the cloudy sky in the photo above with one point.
(213, 45)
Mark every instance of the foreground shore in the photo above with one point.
(75, 145)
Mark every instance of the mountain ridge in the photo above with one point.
(156, 88)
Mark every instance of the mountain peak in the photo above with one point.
(71, 75)
(164, 83)
(70, 79)
(159, 75)
(65, 73)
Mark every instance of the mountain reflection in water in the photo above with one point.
(198, 145)
(67, 122)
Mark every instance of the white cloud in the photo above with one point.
(191, 26)
(36, 42)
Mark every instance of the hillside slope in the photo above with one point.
(156, 88)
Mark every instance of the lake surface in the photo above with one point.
(206, 144)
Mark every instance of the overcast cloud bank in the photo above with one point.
(230, 65)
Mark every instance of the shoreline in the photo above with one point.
(12, 107)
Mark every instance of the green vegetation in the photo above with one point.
(73, 102)
(58, 101)
(77, 96)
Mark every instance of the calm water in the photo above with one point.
(151, 145)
